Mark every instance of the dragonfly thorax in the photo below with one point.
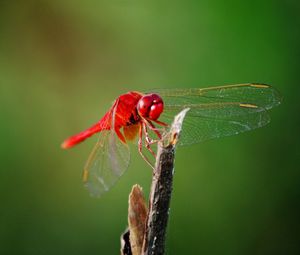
(150, 106)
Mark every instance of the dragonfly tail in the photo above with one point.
(73, 140)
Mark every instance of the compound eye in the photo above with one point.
(144, 105)
(150, 106)
(156, 110)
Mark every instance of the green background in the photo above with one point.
(62, 63)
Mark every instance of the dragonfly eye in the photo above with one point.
(150, 106)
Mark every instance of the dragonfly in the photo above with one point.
(146, 116)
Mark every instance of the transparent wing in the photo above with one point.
(107, 162)
(219, 111)
(233, 99)
(198, 129)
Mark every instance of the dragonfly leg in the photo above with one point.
(120, 135)
(153, 128)
(160, 123)
(148, 141)
(140, 146)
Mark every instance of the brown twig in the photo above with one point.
(161, 191)
(160, 196)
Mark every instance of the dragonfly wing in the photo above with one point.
(217, 101)
(107, 162)
(198, 129)
(219, 111)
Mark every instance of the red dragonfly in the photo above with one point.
(214, 112)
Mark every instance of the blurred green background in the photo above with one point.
(62, 63)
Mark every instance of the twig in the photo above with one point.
(125, 243)
(160, 195)
(161, 190)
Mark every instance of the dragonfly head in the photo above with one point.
(150, 106)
